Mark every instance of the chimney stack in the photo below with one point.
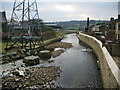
(87, 21)
(112, 18)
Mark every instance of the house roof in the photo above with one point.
(3, 17)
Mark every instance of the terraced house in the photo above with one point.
(112, 29)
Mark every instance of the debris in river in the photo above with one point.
(87, 50)
(33, 78)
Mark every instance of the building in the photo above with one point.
(110, 28)
(3, 22)
(117, 31)
(3, 25)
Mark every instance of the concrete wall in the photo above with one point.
(109, 70)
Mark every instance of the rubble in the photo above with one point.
(21, 54)
(10, 57)
(32, 78)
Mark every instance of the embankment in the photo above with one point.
(47, 42)
(109, 69)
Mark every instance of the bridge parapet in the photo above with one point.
(109, 69)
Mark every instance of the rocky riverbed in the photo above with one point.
(21, 54)
(61, 45)
(57, 53)
(31, 78)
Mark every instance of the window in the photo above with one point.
(110, 26)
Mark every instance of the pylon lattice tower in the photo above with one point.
(25, 25)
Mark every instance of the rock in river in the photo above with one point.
(45, 54)
(31, 60)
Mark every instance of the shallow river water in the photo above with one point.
(79, 69)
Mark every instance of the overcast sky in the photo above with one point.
(58, 10)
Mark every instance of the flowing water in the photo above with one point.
(79, 69)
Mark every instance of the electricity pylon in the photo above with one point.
(25, 25)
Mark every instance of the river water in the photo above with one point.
(79, 69)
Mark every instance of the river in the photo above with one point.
(79, 69)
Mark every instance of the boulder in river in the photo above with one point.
(45, 54)
(31, 60)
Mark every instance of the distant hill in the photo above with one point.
(76, 25)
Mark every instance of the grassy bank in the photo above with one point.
(59, 35)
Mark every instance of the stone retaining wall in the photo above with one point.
(109, 70)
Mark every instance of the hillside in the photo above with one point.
(75, 25)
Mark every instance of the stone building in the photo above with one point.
(3, 22)
(110, 28)
(3, 25)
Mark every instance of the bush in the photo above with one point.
(48, 32)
